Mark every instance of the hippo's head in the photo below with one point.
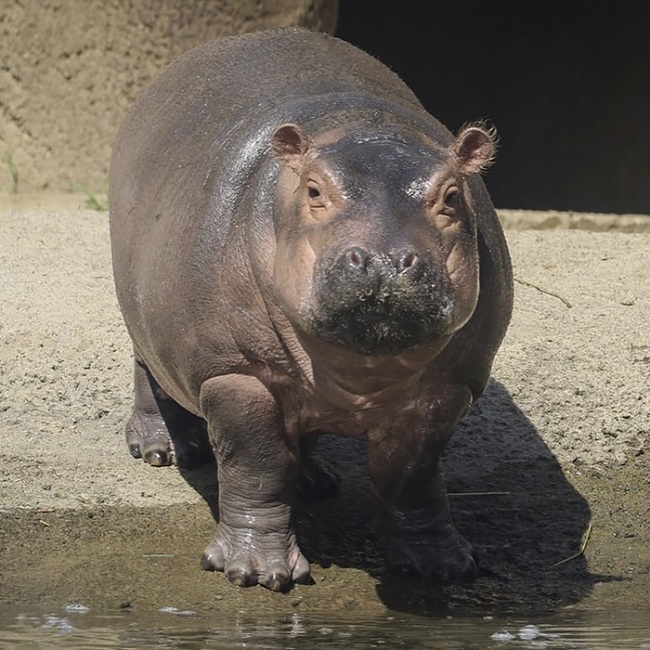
(376, 236)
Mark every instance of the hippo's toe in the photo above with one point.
(242, 574)
(276, 577)
(158, 457)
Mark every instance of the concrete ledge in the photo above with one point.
(556, 220)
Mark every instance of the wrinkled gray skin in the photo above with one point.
(300, 248)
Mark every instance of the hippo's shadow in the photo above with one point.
(509, 498)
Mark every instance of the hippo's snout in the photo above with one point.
(377, 302)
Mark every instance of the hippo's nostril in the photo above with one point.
(406, 260)
(357, 258)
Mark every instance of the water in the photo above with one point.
(75, 627)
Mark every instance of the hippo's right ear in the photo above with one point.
(290, 143)
(475, 147)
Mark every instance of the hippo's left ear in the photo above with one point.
(475, 148)
(290, 143)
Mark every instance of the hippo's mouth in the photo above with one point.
(376, 329)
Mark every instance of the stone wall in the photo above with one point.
(69, 69)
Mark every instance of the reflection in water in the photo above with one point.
(74, 627)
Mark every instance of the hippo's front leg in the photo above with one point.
(257, 470)
(415, 527)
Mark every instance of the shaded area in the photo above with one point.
(566, 85)
(513, 502)
(509, 498)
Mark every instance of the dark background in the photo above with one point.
(566, 83)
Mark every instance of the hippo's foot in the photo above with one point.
(148, 437)
(316, 479)
(442, 556)
(249, 557)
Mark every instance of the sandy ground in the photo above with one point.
(551, 459)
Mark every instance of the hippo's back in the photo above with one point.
(257, 79)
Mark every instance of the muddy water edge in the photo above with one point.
(145, 559)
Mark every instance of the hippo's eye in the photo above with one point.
(314, 195)
(451, 201)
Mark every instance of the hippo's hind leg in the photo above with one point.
(415, 528)
(258, 467)
(160, 431)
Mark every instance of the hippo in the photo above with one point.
(300, 248)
